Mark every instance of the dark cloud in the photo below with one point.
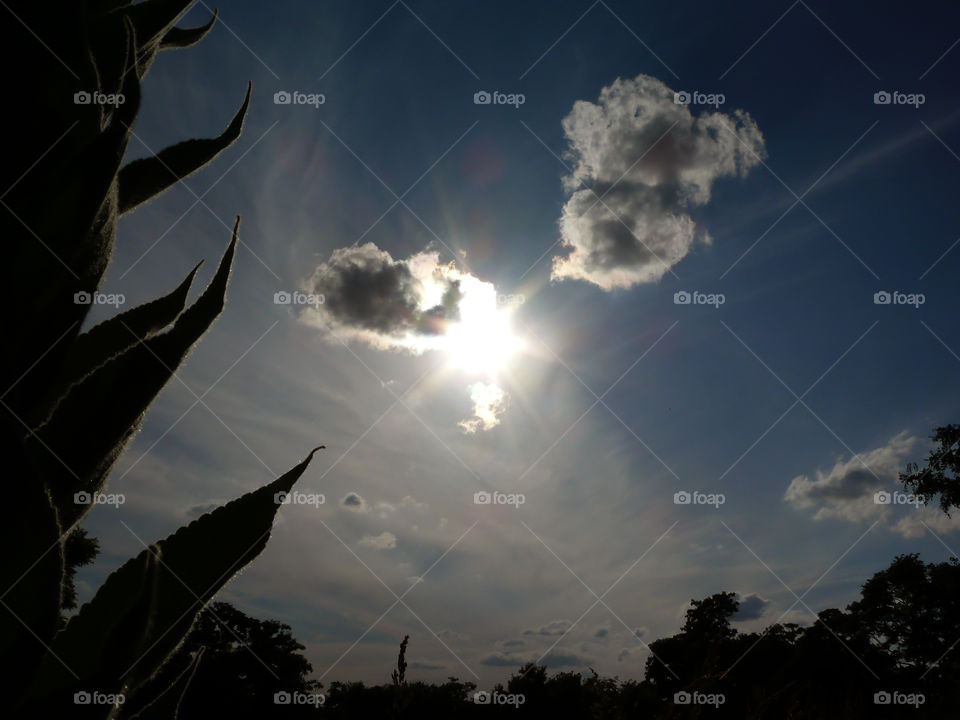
(752, 606)
(368, 295)
(364, 287)
(601, 633)
(650, 160)
(352, 501)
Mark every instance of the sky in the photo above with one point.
(584, 261)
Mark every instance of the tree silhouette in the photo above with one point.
(941, 475)
(245, 663)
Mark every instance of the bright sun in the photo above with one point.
(477, 338)
(481, 342)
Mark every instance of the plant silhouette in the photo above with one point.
(72, 401)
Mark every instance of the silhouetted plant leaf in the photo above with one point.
(112, 337)
(146, 607)
(92, 423)
(185, 37)
(148, 177)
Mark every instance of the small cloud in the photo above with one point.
(409, 503)
(195, 511)
(501, 660)
(352, 501)
(513, 643)
(425, 666)
(752, 606)
(556, 627)
(560, 659)
(601, 632)
(383, 541)
(489, 403)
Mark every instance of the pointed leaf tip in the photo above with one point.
(144, 179)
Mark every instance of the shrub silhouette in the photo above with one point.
(72, 401)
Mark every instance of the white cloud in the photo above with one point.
(847, 491)
(919, 522)
(489, 403)
(650, 159)
(383, 541)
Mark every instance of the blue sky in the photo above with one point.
(797, 398)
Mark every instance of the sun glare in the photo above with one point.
(482, 342)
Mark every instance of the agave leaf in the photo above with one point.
(146, 178)
(93, 422)
(144, 609)
(185, 37)
(166, 706)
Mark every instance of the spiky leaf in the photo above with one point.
(144, 609)
(185, 37)
(93, 422)
(148, 177)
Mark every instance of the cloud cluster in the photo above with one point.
(640, 162)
